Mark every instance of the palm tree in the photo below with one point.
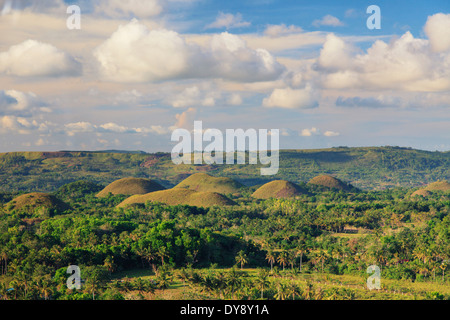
(283, 258)
(46, 287)
(241, 258)
(3, 291)
(443, 266)
(162, 253)
(262, 282)
(301, 251)
(183, 275)
(320, 256)
(281, 292)
(308, 292)
(293, 290)
(163, 280)
(109, 264)
(4, 262)
(233, 280)
(271, 258)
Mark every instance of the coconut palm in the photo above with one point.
(293, 290)
(271, 258)
(241, 258)
(281, 292)
(283, 258)
(262, 281)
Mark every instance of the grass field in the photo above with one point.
(322, 286)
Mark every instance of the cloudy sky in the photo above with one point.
(137, 69)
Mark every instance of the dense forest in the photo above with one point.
(370, 168)
(314, 246)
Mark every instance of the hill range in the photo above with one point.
(366, 168)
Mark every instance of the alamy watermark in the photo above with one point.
(374, 281)
(74, 281)
(374, 21)
(232, 145)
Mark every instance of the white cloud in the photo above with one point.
(13, 124)
(437, 30)
(329, 21)
(310, 132)
(32, 58)
(79, 127)
(185, 119)
(228, 21)
(86, 127)
(23, 104)
(331, 134)
(292, 98)
(136, 54)
(193, 96)
(281, 30)
(335, 54)
(406, 63)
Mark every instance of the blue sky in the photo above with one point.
(136, 70)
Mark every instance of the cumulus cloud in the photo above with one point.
(289, 98)
(72, 129)
(329, 21)
(13, 124)
(310, 132)
(406, 63)
(437, 30)
(331, 134)
(281, 30)
(23, 104)
(185, 119)
(194, 96)
(228, 21)
(32, 58)
(136, 54)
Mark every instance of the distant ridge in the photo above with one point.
(110, 151)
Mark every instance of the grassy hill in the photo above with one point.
(130, 186)
(438, 186)
(365, 168)
(36, 203)
(278, 189)
(204, 182)
(329, 182)
(179, 196)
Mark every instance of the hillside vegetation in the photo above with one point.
(368, 168)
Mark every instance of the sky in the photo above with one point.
(133, 71)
